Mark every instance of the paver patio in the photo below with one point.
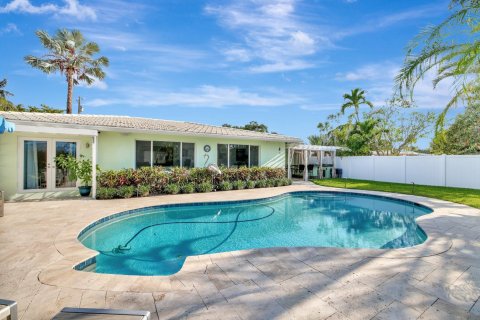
(439, 279)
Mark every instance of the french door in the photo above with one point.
(38, 170)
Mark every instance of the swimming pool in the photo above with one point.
(157, 240)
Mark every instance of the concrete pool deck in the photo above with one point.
(439, 279)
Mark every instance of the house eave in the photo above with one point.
(147, 131)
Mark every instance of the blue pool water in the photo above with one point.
(157, 240)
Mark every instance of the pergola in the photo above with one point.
(306, 151)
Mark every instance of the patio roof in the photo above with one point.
(309, 147)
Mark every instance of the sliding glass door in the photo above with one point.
(38, 169)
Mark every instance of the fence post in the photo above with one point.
(374, 175)
(1, 203)
(405, 168)
(444, 170)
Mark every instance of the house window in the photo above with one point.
(222, 155)
(143, 154)
(188, 155)
(164, 154)
(254, 156)
(237, 155)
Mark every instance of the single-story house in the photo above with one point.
(27, 166)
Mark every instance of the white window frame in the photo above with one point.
(51, 173)
(151, 151)
(249, 153)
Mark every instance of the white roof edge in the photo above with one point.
(266, 137)
(315, 147)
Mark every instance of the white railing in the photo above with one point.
(450, 171)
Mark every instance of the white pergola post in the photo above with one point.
(305, 169)
(334, 172)
(318, 165)
(322, 155)
(289, 164)
(94, 167)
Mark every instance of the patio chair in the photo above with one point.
(101, 314)
(8, 310)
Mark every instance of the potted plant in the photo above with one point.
(78, 169)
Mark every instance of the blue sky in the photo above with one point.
(284, 63)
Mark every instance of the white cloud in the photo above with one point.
(375, 71)
(98, 84)
(281, 66)
(321, 107)
(10, 28)
(70, 8)
(237, 54)
(378, 80)
(25, 6)
(388, 20)
(203, 96)
(271, 35)
(135, 49)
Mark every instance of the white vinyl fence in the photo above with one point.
(450, 171)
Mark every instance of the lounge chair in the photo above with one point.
(101, 314)
(8, 310)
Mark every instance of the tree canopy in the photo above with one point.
(463, 136)
(385, 130)
(449, 51)
(71, 55)
(3, 92)
(251, 126)
(7, 105)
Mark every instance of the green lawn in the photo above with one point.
(470, 197)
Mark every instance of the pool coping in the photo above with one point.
(62, 273)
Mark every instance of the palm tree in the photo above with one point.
(355, 99)
(4, 93)
(450, 50)
(72, 56)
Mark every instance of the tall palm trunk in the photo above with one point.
(69, 91)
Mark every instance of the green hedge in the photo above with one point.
(146, 181)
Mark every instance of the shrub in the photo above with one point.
(250, 184)
(270, 183)
(179, 175)
(257, 173)
(188, 188)
(126, 192)
(225, 186)
(143, 190)
(199, 175)
(154, 180)
(261, 184)
(104, 193)
(204, 187)
(277, 182)
(238, 185)
(274, 173)
(172, 188)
